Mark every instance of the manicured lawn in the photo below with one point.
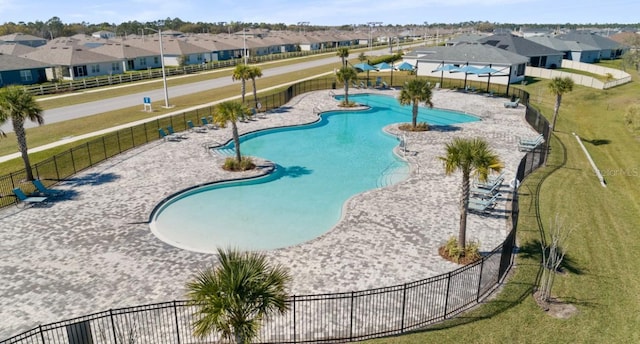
(600, 276)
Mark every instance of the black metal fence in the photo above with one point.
(324, 318)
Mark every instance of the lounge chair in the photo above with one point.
(384, 85)
(513, 104)
(527, 145)
(362, 84)
(28, 200)
(196, 129)
(44, 191)
(486, 192)
(482, 206)
(171, 132)
(491, 181)
(354, 85)
(166, 136)
(208, 124)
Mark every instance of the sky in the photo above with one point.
(325, 12)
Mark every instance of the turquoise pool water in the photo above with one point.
(319, 167)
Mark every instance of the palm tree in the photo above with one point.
(230, 112)
(235, 297)
(242, 73)
(345, 75)
(559, 86)
(255, 72)
(414, 92)
(19, 105)
(471, 157)
(343, 53)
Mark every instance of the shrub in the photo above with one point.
(422, 126)
(632, 118)
(452, 252)
(231, 164)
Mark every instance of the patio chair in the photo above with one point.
(385, 86)
(208, 124)
(527, 145)
(513, 104)
(44, 191)
(171, 132)
(354, 85)
(491, 181)
(25, 200)
(362, 84)
(166, 136)
(196, 129)
(482, 206)
(486, 192)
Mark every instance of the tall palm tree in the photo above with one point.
(413, 93)
(242, 73)
(255, 72)
(236, 296)
(559, 86)
(345, 75)
(343, 53)
(472, 157)
(19, 105)
(230, 112)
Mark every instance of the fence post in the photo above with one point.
(104, 148)
(89, 155)
(41, 333)
(294, 319)
(480, 279)
(118, 139)
(446, 300)
(55, 165)
(113, 327)
(175, 314)
(146, 134)
(351, 317)
(404, 307)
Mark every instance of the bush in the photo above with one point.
(452, 252)
(422, 126)
(231, 164)
(632, 118)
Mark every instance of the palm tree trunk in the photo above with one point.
(255, 92)
(464, 202)
(21, 137)
(236, 140)
(414, 117)
(243, 88)
(556, 109)
(346, 92)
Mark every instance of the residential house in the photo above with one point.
(571, 50)
(16, 70)
(538, 54)
(608, 48)
(24, 39)
(177, 51)
(130, 57)
(430, 61)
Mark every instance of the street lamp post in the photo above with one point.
(164, 74)
(371, 25)
(244, 44)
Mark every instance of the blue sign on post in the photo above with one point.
(147, 103)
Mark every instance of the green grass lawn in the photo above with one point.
(600, 276)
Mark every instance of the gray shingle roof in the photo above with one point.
(519, 45)
(590, 39)
(10, 62)
(469, 52)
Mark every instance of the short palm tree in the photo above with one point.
(343, 53)
(255, 72)
(472, 157)
(242, 73)
(236, 296)
(19, 105)
(230, 112)
(345, 75)
(413, 93)
(559, 86)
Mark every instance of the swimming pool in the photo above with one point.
(318, 168)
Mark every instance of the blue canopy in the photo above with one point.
(405, 66)
(486, 70)
(364, 67)
(446, 68)
(382, 66)
(467, 69)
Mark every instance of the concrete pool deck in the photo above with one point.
(93, 249)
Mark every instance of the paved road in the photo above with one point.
(135, 98)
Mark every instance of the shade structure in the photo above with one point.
(446, 68)
(383, 66)
(364, 67)
(405, 66)
(486, 70)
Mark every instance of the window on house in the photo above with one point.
(142, 61)
(115, 66)
(156, 60)
(95, 69)
(521, 68)
(25, 75)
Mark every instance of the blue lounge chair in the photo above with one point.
(482, 206)
(196, 129)
(28, 200)
(513, 104)
(43, 190)
(484, 192)
(527, 145)
(208, 124)
(166, 136)
(171, 132)
(491, 181)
